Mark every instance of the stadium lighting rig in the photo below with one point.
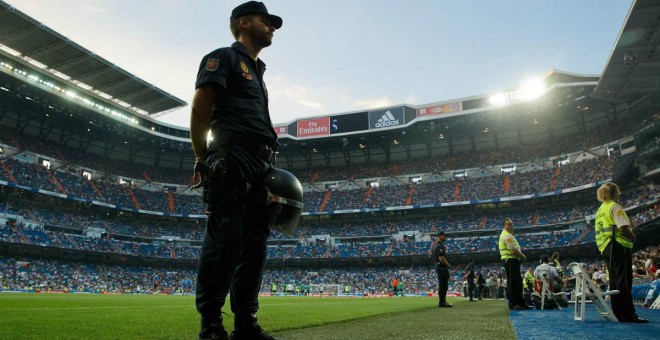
(71, 95)
(529, 90)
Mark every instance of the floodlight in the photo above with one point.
(532, 89)
(498, 99)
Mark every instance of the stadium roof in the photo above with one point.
(633, 68)
(54, 52)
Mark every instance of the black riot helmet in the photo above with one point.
(284, 199)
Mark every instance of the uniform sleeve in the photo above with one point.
(508, 239)
(213, 70)
(619, 216)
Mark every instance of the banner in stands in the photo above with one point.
(349, 122)
(440, 109)
(281, 130)
(313, 127)
(386, 118)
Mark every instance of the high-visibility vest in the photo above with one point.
(505, 252)
(605, 226)
(529, 277)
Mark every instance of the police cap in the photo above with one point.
(255, 7)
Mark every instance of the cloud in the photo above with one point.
(277, 90)
(94, 9)
(310, 103)
(373, 103)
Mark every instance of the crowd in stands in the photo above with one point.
(147, 197)
(49, 226)
(408, 246)
(162, 246)
(70, 156)
(458, 189)
(474, 188)
(44, 275)
(474, 159)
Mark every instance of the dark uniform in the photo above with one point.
(234, 247)
(442, 271)
(469, 275)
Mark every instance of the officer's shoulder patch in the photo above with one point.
(620, 212)
(212, 64)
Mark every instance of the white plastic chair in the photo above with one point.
(585, 289)
(656, 303)
(547, 293)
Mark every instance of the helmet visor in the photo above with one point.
(285, 213)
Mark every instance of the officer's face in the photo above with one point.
(508, 225)
(260, 30)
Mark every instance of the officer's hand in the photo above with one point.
(197, 176)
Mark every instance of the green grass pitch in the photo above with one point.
(69, 316)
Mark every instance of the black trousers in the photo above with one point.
(470, 291)
(514, 287)
(234, 250)
(619, 265)
(443, 282)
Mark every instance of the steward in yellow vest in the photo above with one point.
(615, 239)
(511, 255)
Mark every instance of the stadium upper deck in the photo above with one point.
(562, 103)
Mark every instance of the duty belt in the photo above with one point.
(252, 145)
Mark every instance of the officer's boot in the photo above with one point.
(212, 329)
(247, 328)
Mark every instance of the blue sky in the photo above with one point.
(349, 55)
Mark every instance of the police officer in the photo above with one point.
(511, 255)
(442, 269)
(231, 101)
(615, 239)
(469, 276)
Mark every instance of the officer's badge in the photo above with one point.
(212, 64)
(244, 67)
(247, 76)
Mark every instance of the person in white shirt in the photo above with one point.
(549, 273)
(599, 278)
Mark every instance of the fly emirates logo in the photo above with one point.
(314, 127)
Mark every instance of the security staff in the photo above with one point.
(231, 101)
(554, 261)
(511, 255)
(469, 276)
(442, 269)
(529, 280)
(528, 285)
(615, 239)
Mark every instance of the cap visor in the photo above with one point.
(275, 21)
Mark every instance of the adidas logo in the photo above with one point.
(387, 120)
